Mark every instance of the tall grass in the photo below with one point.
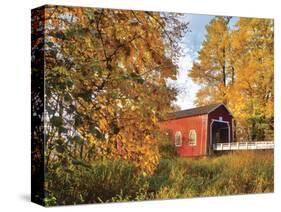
(113, 181)
(234, 173)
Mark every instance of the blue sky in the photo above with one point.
(191, 43)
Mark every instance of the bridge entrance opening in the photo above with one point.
(220, 132)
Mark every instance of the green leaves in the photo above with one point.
(77, 139)
(78, 120)
(59, 35)
(67, 97)
(80, 163)
(50, 44)
(134, 77)
(137, 78)
(68, 81)
(60, 146)
(114, 128)
(57, 121)
(86, 95)
(95, 132)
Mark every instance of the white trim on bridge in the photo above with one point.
(243, 145)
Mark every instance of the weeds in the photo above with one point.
(115, 181)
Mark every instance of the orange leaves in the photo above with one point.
(103, 125)
(117, 62)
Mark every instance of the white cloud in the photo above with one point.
(192, 42)
(187, 88)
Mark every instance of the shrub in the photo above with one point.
(167, 150)
(101, 182)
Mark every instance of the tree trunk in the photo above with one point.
(224, 77)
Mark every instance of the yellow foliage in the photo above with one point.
(236, 67)
(116, 63)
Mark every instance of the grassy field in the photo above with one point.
(114, 181)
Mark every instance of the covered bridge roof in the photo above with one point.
(196, 111)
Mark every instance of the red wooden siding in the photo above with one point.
(184, 125)
(201, 123)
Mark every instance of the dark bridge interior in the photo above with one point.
(220, 132)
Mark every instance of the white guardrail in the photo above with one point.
(244, 145)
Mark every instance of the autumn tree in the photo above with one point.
(252, 96)
(106, 89)
(235, 66)
(213, 70)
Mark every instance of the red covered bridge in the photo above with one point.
(195, 131)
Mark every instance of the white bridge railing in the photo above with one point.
(244, 145)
